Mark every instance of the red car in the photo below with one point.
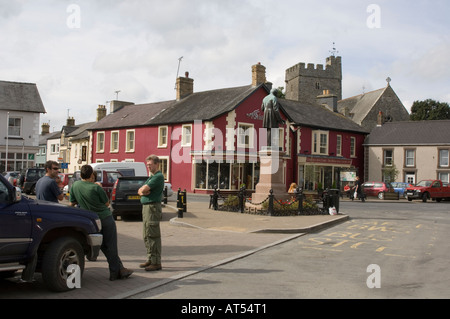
(377, 189)
(64, 178)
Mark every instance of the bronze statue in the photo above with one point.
(272, 118)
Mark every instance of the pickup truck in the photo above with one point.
(45, 237)
(428, 189)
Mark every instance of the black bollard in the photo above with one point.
(179, 204)
(184, 201)
(270, 208)
(299, 192)
(165, 195)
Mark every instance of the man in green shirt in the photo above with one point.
(90, 196)
(151, 195)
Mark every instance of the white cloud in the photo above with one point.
(133, 46)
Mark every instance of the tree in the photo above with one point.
(279, 93)
(429, 110)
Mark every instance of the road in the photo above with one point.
(385, 250)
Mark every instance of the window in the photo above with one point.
(339, 145)
(130, 141)
(443, 158)
(388, 157)
(100, 142)
(281, 138)
(444, 177)
(245, 135)
(162, 136)
(114, 141)
(320, 142)
(186, 135)
(54, 148)
(164, 167)
(409, 158)
(14, 126)
(352, 147)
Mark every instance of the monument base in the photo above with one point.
(270, 176)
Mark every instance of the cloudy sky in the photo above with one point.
(80, 52)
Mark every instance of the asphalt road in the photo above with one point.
(385, 250)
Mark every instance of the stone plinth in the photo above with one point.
(270, 176)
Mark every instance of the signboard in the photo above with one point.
(64, 165)
(348, 176)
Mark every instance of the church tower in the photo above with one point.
(306, 83)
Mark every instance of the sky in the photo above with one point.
(80, 53)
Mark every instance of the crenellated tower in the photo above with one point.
(305, 82)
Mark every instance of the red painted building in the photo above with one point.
(211, 139)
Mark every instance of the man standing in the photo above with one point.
(151, 195)
(91, 196)
(46, 187)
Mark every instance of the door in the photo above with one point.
(410, 178)
(15, 226)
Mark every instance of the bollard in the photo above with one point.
(215, 198)
(165, 195)
(270, 208)
(300, 200)
(179, 204)
(184, 201)
(241, 199)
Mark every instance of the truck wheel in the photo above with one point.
(380, 195)
(408, 198)
(59, 255)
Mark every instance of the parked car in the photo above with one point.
(65, 177)
(31, 176)
(124, 197)
(377, 189)
(400, 188)
(429, 189)
(12, 177)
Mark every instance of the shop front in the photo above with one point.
(228, 174)
(316, 172)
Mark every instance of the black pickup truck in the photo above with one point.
(45, 237)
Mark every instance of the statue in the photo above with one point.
(272, 118)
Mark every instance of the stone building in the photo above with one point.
(305, 83)
(364, 109)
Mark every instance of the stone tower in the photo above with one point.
(306, 83)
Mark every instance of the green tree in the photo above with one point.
(429, 110)
(279, 93)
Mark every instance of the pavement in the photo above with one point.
(201, 240)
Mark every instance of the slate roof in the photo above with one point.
(410, 133)
(23, 97)
(81, 132)
(318, 116)
(204, 106)
(360, 105)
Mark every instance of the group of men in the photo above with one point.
(87, 194)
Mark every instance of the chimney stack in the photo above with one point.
(258, 74)
(328, 99)
(184, 86)
(45, 128)
(380, 119)
(115, 105)
(70, 121)
(101, 112)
